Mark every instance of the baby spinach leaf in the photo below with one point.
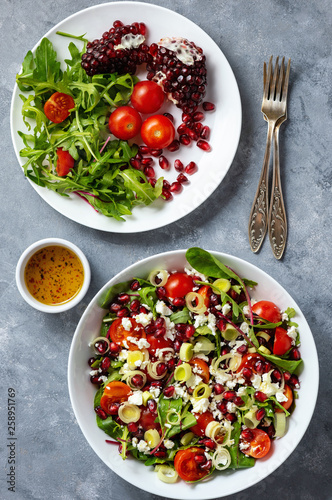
(207, 264)
(238, 459)
(112, 292)
(181, 316)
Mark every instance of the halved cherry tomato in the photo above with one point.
(186, 465)
(147, 420)
(205, 291)
(157, 131)
(158, 343)
(65, 162)
(282, 342)
(203, 419)
(260, 445)
(119, 334)
(114, 392)
(178, 285)
(289, 395)
(249, 360)
(58, 107)
(125, 122)
(267, 310)
(147, 97)
(202, 369)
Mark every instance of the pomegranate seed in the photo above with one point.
(222, 406)
(242, 349)
(117, 24)
(260, 396)
(161, 368)
(179, 302)
(113, 408)
(159, 321)
(156, 152)
(135, 285)
(294, 381)
(138, 156)
(166, 184)
(134, 306)
(193, 135)
(142, 28)
(152, 405)
(295, 354)
(218, 389)
(238, 401)
(205, 133)
(135, 163)
(260, 414)
(185, 139)
(144, 150)
(149, 172)
(101, 413)
(247, 373)
(114, 348)
(287, 376)
(191, 168)
(161, 294)
(163, 162)
(208, 443)
(123, 298)
(160, 332)
(276, 376)
(186, 117)
(178, 165)
(229, 395)
(204, 145)
(198, 127)
(176, 187)
(91, 361)
(174, 146)
(208, 106)
(171, 364)
(143, 310)
(190, 331)
(231, 417)
(182, 178)
(147, 162)
(247, 435)
(200, 459)
(207, 465)
(156, 384)
(267, 367)
(123, 313)
(152, 181)
(182, 129)
(167, 194)
(94, 379)
(198, 116)
(176, 346)
(270, 430)
(137, 380)
(105, 364)
(132, 427)
(169, 116)
(259, 366)
(149, 329)
(169, 391)
(101, 346)
(160, 454)
(114, 307)
(225, 350)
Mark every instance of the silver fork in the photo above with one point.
(274, 107)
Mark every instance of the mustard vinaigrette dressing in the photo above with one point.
(54, 275)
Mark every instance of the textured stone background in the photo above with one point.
(54, 460)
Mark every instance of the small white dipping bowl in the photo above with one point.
(20, 281)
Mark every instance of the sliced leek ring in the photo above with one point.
(183, 372)
(264, 350)
(264, 335)
(129, 413)
(164, 351)
(202, 391)
(234, 362)
(152, 370)
(221, 459)
(221, 284)
(101, 339)
(187, 438)
(250, 420)
(203, 345)
(145, 397)
(173, 417)
(197, 299)
(133, 358)
(162, 274)
(129, 375)
(280, 424)
(186, 351)
(230, 333)
(166, 473)
(152, 437)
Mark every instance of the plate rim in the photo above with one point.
(176, 215)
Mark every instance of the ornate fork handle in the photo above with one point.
(258, 220)
(277, 213)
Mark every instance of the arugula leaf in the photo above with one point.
(207, 264)
(181, 316)
(112, 292)
(286, 364)
(238, 459)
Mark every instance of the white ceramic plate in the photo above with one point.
(222, 484)
(225, 122)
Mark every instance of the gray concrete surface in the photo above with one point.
(53, 459)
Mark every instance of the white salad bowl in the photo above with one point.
(221, 483)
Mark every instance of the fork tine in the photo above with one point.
(280, 79)
(267, 78)
(275, 77)
(285, 85)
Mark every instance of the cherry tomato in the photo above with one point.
(202, 369)
(186, 465)
(267, 310)
(65, 162)
(147, 420)
(289, 395)
(260, 445)
(119, 334)
(157, 131)
(58, 107)
(158, 343)
(249, 360)
(125, 122)
(147, 97)
(205, 291)
(178, 285)
(114, 392)
(282, 342)
(203, 419)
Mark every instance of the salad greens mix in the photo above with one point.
(192, 374)
(102, 174)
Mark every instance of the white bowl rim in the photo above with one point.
(22, 262)
(314, 367)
